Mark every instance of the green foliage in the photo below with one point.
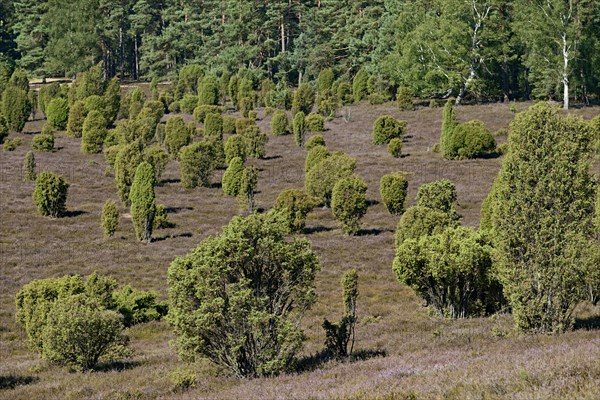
(112, 100)
(145, 124)
(15, 107)
(299, 128)
(208, 91)
(246, 107)
(387, 128)
(79, 331)
(143, 202)
(542, 219)
(232, 176)
(126, 162)
(339, 336)
(47, 93)
(451, 271)
(137, 306)
(393, 189)
(249, 323)
(469, 140)
(235, 146)
(158, 158)
(3, 128)
(404, 99)
(395, 147)
(19, 79)
(242, 124)
(314, 122)
(182, 379)
(50, 195)
(279, 123)
(349, 203)
(248, 182)
(93, 133)
(359, 85)
(133, 104)
(256, 142)
(202, 111)
(229, 124)
(95, 103)
(188, 103)
(12, 144)
(177, 135)
(448, 125)
(57, 113)
(42, 142)
(304, 99)
(325, 80)
(77, 114)
(293, 205)
(439, 195)
(315, 155)
(196, 162)
(344, 93)
(313, 141)
(29, 167)
(213, 127)
(327, 104)
(90, 83)
(418, 221)
(323, 176)
(189, 76)
(377, 98)
(110, 218)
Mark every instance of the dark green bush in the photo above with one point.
(158, 158)
(15, 107)
(143, 201)
(377, 98)
(315, 155)
(420, 221)
(236, 146)
(387, 128)
(93, 133)
(110, 218)
(126, 162)
(188, 103)
(57, 112)
(279, 123)
(359, 86)
(3, 128)
(248, 182)
(314, 122)
(29, 167)
(208, 91)
(299, 128)
(47, 93)
(294, 205)
(344, 93)
(229, 124)
(196, 162)
(393, 188)
(137, 306)
(349, 203)
(404, 98)
(12, 144)
(50, 195)
(202, 111)
(42, 142)
(313, 141)
(177, 135)
(256, 142)
(325, 80)
(233, 176)
(304, 99)
(213, 127)
(112, 100)
(323, 176)
(161, 218)
(469, 140)
(448, 125)
(395, 147)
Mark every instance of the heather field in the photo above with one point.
(401, 351)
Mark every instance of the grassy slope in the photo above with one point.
(427, 356)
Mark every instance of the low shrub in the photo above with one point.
(110, 218)
(50, 195)
(387, 128)
(196, 164)
(469, 140)
(404, 99)
(42, 142)
(349, 203)
(235, 146)
(93, 133)
(188, 103)
(77, 114)
(57, 113)
(256, 142)
(279, 123)
(229, 124)
(315, 122)
(420, 221)
(313, 141)
(322, 177)
(315, 155)
(12, 144)
(395, 147)
(393, 189)
(233, 176)
(294, 205)
(177, 135)
(202, 111)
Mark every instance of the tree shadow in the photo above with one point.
(271, 158)
(116, 366)
(316, 229)
(169, 181)
(180, 235)
(12, 381)
(489, 156)
(589, 323)
(371, 203)
(372, 232)
(216, 185)
(73, 214)
(363, 355)
(317, 360)
(175, 210)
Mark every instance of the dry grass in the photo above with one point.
(424, 356)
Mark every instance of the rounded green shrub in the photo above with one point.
(235, 146)
(314, 122)
(256, 142)
(175, 106)
(304, 99)
(3, 128)
(110, 218)
(42, 142)
(377, 98)
(315, 155)
(77, 114)
(469, 140)
(95, 103)
(202, 111)
(112, 100)
(29, 167)
(189, 102)
(314, 141)
(196, 163)
(213, 127)
(420, 221)
(323, 176)
(359, 85)
(50, 195)
(128, 158)
(110, 154)
(93, 133)
(344, 93)
(16, 107)
(248, 183)
(404, 99)
(393, 188)
(279, 123)
(299, 128)
(208, 90)
(232, 176)
(325, 80)
(57, 113)
(294, 205)
(19, 79)
(12, 144)
(395, 147)
(143, 201)
(438, 195)
(246, 107)
(349, 203)
(177, 135)
(47, 93)
(242, 124)
(229, 124)
(386, 128)
(158, 158)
